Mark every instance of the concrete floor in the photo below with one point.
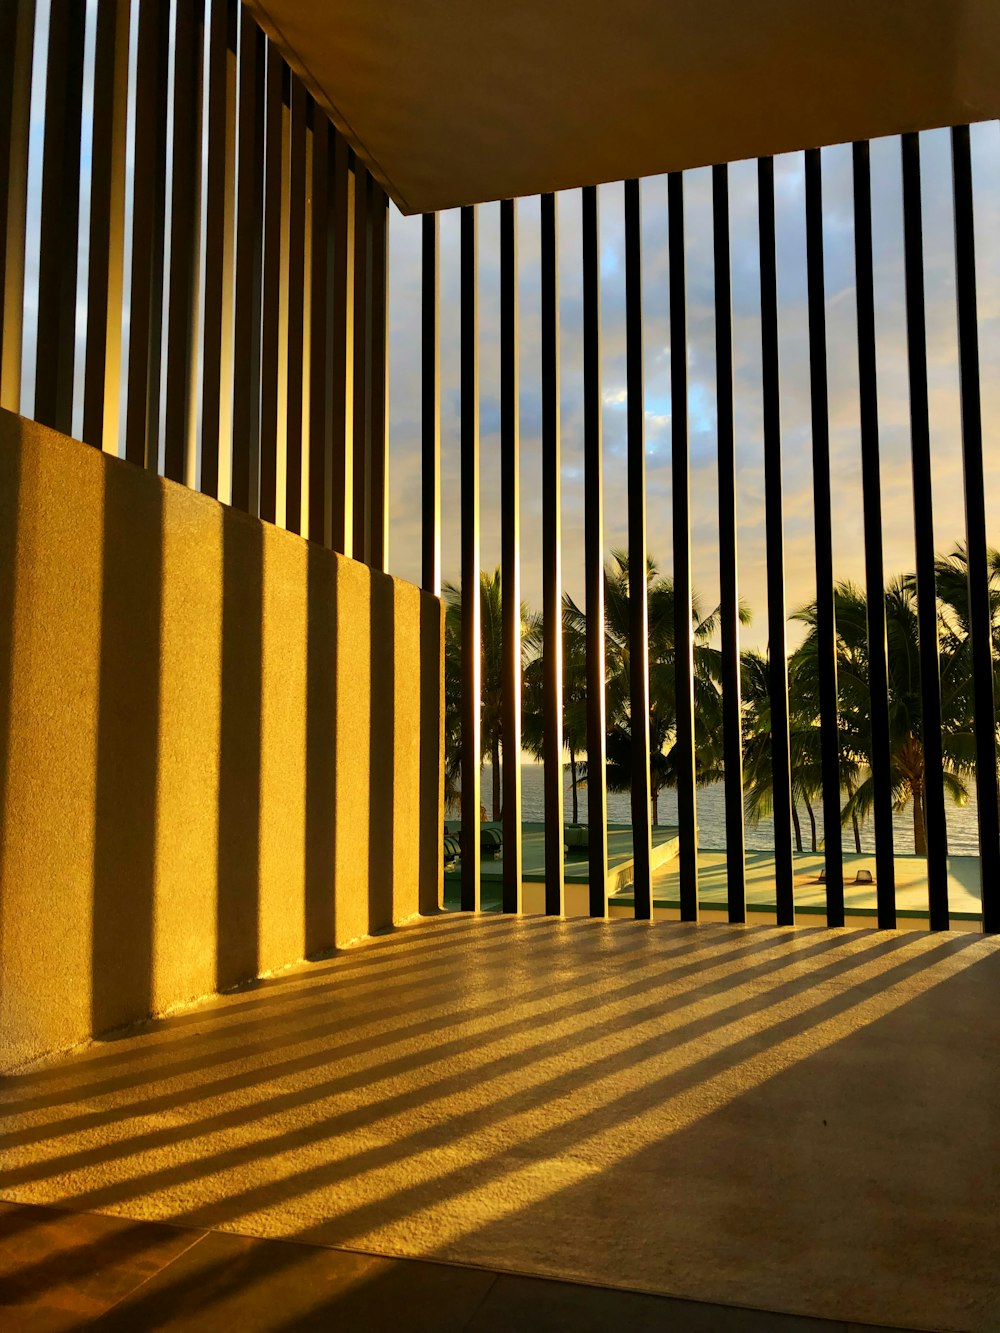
(790, 1120)
(61, 1271)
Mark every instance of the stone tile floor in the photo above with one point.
(790, 1120)
(61, 1271)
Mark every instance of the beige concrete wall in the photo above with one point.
(220, 746)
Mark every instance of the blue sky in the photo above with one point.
(795, 401)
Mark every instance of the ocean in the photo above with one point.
(963, 824)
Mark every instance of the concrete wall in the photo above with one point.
(220, 746)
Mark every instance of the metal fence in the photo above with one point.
(980, 615)
(192, 262)
(194, 277)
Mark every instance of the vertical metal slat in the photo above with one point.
(215, 95)
(781, 770)
(510, 539)
(878, 669)
(158, 253)
(936, 827)
(249, 224)
(319, 322)
(826, 628)
(296, 259)
(181, 293)
(642, 850)
(17, 40)
(593, 503)
(684, 750)
(148, 121)
(732, 709)
(60, 221)
(980, 616)
(341, 321)
(106, 213)
(270, 324)
(379, 340)
(471, 609)
(552, 728)
(17, 27)
(10, 15)
(106, 396)
(362, 362)
(430, 389)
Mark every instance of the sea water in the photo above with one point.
(963, 825)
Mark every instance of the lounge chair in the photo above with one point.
(576, 843)
(490, 843)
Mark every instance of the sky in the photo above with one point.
(848, 535)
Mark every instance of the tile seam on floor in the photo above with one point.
(494, 1279)
(129, 1295)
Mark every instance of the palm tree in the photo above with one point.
(951, 575)
(491, 695)
(905, 726)
(805, 752)
(954, 621)
(662, 685)
(574, 700)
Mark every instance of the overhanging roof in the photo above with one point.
(458, 101)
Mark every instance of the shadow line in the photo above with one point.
(645, 983)
(477, 1173)
(364, 1116)
(10, 490)
(431, 854)
(127, 751)
(447, 982)
(381, 753)
(238, 865)
(321, 751)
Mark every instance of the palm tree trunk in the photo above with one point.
(656, 806)
(854, 824)
(497, 784)
(812, 820)
(797, 827)
(572, 769)
(919, 828)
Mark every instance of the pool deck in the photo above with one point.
(810, 894)
(666, 844)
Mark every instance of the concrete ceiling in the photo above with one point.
(458, 101)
